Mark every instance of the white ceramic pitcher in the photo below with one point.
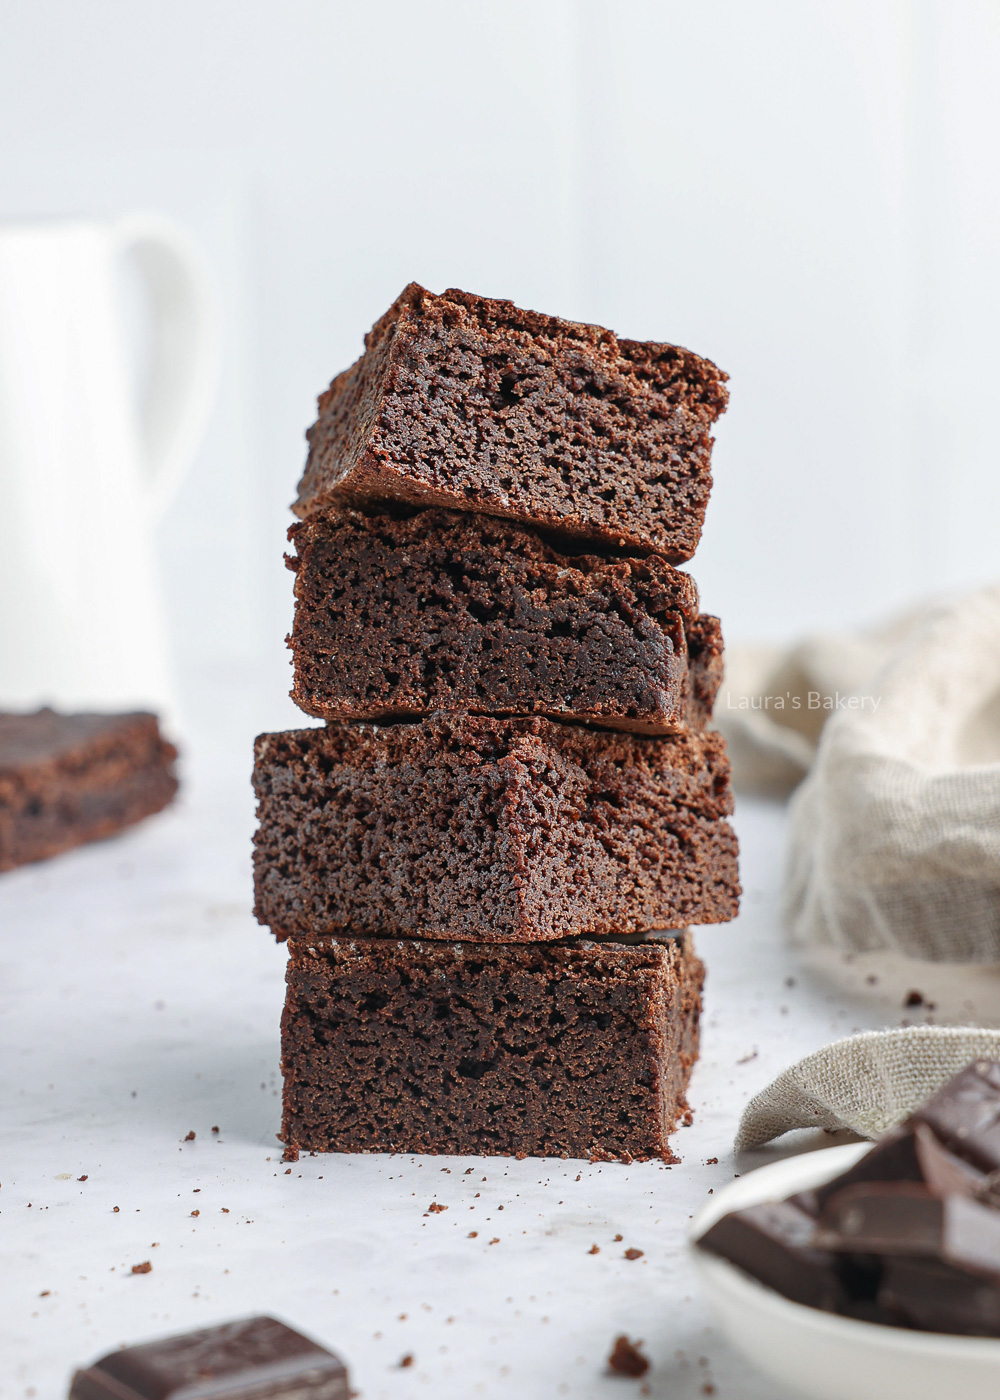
(85, 470)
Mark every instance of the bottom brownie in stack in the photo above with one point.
(577, 1048)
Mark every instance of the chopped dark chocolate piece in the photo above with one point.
(773, 1243)
(965, 1115)
(909, 1153)
(909, 1236)
(935, 1297)
(256, 1357)
(902, 1217)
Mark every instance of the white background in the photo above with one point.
(807, 191)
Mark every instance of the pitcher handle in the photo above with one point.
(184, 367)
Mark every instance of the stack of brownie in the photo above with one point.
(486, 862)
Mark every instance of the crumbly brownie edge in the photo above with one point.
(616, 447)
(400, 617)
(491, 830)
(386, 1047)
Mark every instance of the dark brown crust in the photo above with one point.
(491, 830)
(405, 1046)
(69, 779)
(474, 404)
(399, 616)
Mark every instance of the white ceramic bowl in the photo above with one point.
(816, 1354)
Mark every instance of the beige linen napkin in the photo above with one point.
(867, 1082)
(775, 701)
(894, 834)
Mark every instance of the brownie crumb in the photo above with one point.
(626, 1359)
(215, 1129)
(81, 1178)
(45, 1293)
(189, 1137)
(290, 1154)
(406, 1361)
(473, 1234)
(435, 1208)
(619, 1238)
(711, 1161)
(196, 1212)
(144, 1268)
(633, 1254)
(594, 1249)
(914, 998)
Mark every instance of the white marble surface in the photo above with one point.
(140, 1001)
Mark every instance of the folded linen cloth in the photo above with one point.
(775, 700)
(867, 1082)
(894, 836)
(895, 831)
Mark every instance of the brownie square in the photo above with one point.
(438, 610)
(69, 779)
(491, 830)
(472, 403)
(575, 1049)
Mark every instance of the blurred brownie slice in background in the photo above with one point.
(576, 1049)
(399, 615)
(472, 403)
(483, 829)
(69, 779)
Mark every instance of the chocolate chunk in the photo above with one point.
(905, 1218)
(965, 1115)
(936, 1297)
(909, 1153)
(894, 1158)
(774, 1243)
(256, 1356)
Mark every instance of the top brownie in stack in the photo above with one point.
(474, 404)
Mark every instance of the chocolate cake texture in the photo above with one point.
(492, 830)
(69, 779)
(399, 616)
(577, 1049)
(475, 404)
